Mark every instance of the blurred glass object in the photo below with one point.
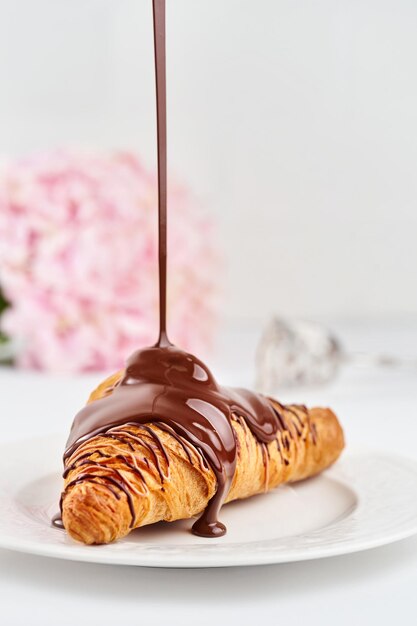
(295, 353)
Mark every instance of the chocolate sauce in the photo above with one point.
(177, 391)
(57, 521)
(161, 124)
(171, 388)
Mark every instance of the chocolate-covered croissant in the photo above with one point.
(164, 441)
(135, 473)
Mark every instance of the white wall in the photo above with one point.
(299, 130)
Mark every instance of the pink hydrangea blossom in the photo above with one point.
(78, 261)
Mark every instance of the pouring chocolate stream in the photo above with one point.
(165, 385)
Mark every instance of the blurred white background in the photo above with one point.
(295, 123)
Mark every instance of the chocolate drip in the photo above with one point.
(57, 521)
(173, 389)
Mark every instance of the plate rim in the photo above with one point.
(230, 556)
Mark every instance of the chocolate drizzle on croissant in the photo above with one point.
(176, 391)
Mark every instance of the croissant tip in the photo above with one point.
(91, 516)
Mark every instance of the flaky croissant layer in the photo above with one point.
(135, 475)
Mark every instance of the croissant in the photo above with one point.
(138, 474)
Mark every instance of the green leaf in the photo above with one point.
(3, 306)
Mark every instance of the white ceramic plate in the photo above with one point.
(365, 500)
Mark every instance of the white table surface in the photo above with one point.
(378, 408)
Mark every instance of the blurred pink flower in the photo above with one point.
(78, 261)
